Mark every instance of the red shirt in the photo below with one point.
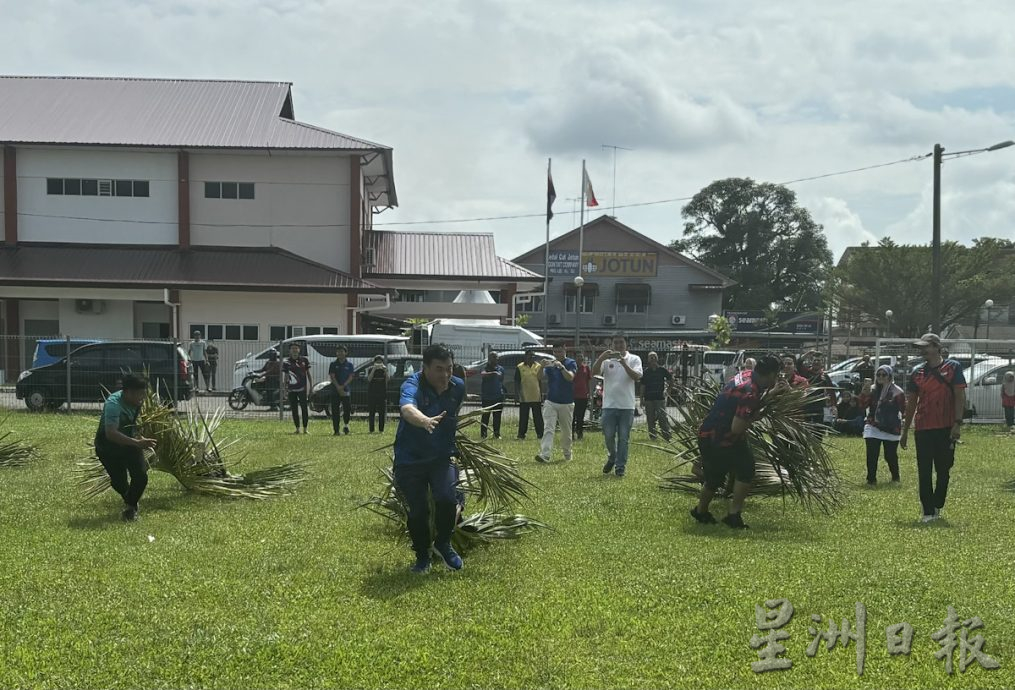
(740, 397)
(582, 377)
(935, 407)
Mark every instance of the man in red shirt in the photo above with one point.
(936, 395)
(582, 381)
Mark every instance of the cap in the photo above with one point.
(928, 339)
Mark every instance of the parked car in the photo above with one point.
(399, 369)
(843, 371)
(983, 389)
(49, 350)
(320, 350)
(95, 370)
(723, 365)
(509, 360)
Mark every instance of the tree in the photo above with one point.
(872, 279)
(720, 328)
(756, 234)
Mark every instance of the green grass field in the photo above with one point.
(626, 591)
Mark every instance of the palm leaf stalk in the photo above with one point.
(187, 449)
(488, 476)
(790, 456)
(14, 452)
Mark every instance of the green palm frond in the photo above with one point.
(187, 449)
(13, 452)
(790, 456)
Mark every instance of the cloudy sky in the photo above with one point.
(475, 95)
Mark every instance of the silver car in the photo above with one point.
(983, 389)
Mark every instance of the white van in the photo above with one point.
(320, 350)
(722, 365)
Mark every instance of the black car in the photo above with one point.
(400, 368)
(95, 370)
(510, 362)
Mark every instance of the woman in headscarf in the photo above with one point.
(1008, 399)
(886, 406)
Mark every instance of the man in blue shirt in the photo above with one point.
(559, 404)
(492, 395)
(118, 446)
(340, 372)
(424, 448)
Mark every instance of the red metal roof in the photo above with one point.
(267, 269)
(441, 254)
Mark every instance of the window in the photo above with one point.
(588, 303)
(633, 298)
(228, 190)
(276, 333)
(411, 295)
(73, 186)
(533, 305)
(215, 331)
(154, 330)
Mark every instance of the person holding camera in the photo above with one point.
(559, 405)
(620, 371)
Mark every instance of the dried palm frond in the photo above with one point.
(485, 474)
(187, 449)
(14, 453)
(790, 456)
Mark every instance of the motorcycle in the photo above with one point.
(252, 391)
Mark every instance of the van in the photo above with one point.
(321, 349)
(49, 350)
(722, 365)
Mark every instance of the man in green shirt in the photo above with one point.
(118, 445)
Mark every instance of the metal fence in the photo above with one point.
(984, 364)
(67, 373)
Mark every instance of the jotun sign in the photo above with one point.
(606, 264)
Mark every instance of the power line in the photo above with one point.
(454, 221)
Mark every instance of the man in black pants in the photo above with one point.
(118, 446)
(340, 373)
(297, 375)
(936, 395)
(424, 452)
(491, 395)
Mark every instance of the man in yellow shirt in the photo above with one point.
(530, 396)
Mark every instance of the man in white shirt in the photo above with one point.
(620, 370)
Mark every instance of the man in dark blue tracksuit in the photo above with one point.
(424, 448)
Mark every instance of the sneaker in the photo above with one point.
(608, 467)
(450, 557)
(540, 458)
(705, 518)
(345, 430)
(130, 513)
(297, 431)
(621, 472)
(421, 566)
(497, 437)
(872, 482)
(928, 518)
(735, 521)
(567, 458)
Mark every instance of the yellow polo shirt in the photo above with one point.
(530, 391)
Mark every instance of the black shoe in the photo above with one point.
(130, 513)
(620, 471)
(608, 467)
(735, 521)
(345, 430)
(872, 482)
(705, 518)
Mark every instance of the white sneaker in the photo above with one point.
(938, 512)
(928, 518)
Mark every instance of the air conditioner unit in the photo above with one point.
(609, 320)
(89, 306)
(678, 320)
(553, 319)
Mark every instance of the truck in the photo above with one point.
(472, 341)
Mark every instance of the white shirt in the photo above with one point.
(618, 387)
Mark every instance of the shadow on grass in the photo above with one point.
(106, 514)
(390, 582)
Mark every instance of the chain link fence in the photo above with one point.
(984, 364)
(67, 373)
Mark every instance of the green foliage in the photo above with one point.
(790, 456)
(755, 233)
(14, 452)
(187, 449)
(522, 320)
(872, 279)
(720, 328)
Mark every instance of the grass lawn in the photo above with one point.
(307, 591)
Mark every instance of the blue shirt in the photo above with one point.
(342, 372)
(116, 411)
(493, 384)
(559, 389)
(415, 445)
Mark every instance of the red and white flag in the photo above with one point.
(590, 196)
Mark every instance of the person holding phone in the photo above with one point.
(620, 371)
(377, 393)
(559, 405)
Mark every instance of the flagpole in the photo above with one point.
(581, 251)
(546, 268)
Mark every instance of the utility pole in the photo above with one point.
(613, 199)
